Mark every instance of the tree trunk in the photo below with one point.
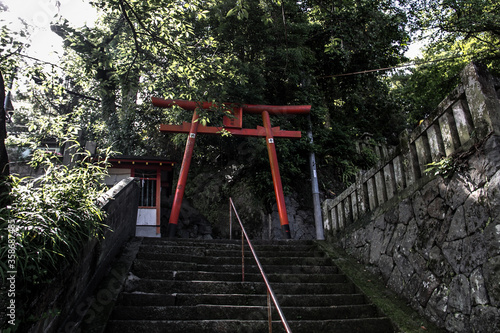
(4, 158)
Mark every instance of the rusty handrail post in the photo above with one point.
(242, 258)
(259, 265)
(230, 222)
(269, 313)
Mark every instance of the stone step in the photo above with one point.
(223, 287)
(365, 325)
(218, 243)
(233, 260)
(230, 245)
(195, 286)
(241, 312)
(154, 299)
(263, 251)
(237, 277)
(149, 265)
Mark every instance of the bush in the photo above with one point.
(50, 219)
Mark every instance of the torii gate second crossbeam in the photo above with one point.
(233, 125)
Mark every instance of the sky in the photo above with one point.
(414, 50)
(45, 44)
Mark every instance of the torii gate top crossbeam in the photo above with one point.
(247, 108)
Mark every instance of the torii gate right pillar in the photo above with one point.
(275, 171)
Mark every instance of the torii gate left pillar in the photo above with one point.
(233, 125)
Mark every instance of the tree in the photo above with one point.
(247, 51)
(95, 45)
(351, 37)
(10, 45)
(4, 158)
(136, 54)
(457, 18)
(251, 51)
(458, 32)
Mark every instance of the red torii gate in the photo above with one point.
(234, 125)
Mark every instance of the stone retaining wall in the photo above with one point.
(435, 239)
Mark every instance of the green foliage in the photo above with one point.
(444, 167)
(54, 214)
(354, 36)
(456, 18)
(422, 88)
(457, 32)
(12, 44)
(50, 219)
(368, 158)
(133, 54)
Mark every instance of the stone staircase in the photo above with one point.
(195, 286)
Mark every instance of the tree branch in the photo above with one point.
(153, 35)
(4, 158)
(134, 35)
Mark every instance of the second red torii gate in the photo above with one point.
(234, 125)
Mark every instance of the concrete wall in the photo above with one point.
(435, 239)
(115, 175)
(60, 304)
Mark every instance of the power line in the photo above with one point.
(67, 90)
(417, 63)
(398, 66)
(39, 60)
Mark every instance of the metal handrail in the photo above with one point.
(270, 293)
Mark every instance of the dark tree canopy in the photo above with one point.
(254, 51)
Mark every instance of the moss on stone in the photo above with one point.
(393, 306)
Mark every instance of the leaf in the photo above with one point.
(232, 12)
(243, 13)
